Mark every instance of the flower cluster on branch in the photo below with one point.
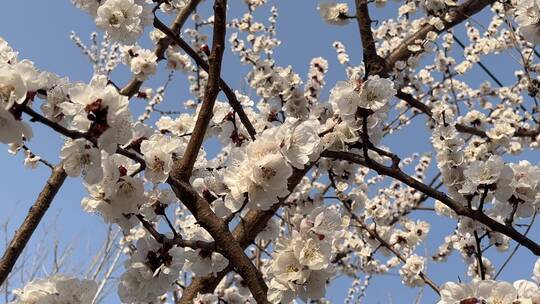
(302, 187)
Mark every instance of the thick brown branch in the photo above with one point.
(245, 233)
(375, 65)
(458, 208)
(456, 16)
(185, 167)
(224, 239)
(179, 178)
(30, 223)
(134, 85)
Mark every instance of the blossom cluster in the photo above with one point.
(303, 186)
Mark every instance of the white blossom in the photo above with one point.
(158, 153)
(150, 272)
(57, 289)
(143, 62)
(334, 13)
(301, 142)
(123, 20)
(12, 87)
(347, 96)
(528, 18)
(101, 111)
(12, 131)
(78, 156)
(410, 272)
(487, 290)
(177, 61)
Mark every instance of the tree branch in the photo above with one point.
(179, 178)
(456, 16)
(224, 239)
(415, 103)
(185, 167)
(245, 233)
(30, 223)
(76, 134)
(457, 207)
(177, 240)
(375, 65)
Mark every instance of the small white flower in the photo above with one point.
(158, 153)
(180, 126)
(101, 111)
(57, 289)
(526, 181)
(528, 18)
(79, 156)
(410, 272)
(142, 62)
(126, 195)
(526, 290)
(12, 87)
(150, 272)
(288, 270)
(7, 54)
(536, 271)
(334, 13)
(436, 7)
(33, 78)
(301, 142)
(312, 253)
(373, 94)
(123, 20)
(270, 172)
(177, 61)
(486, 290)
(485, 173)
(500, 132)
(202, 262)
(12, 131)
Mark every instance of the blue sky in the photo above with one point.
(40, 31)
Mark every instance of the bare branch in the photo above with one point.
(375, 65)
(30, 223)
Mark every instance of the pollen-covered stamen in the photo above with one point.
(268, 173)
(6, 90)
(292, 268)
(158, 164)
(97, 113)
(358, 85)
